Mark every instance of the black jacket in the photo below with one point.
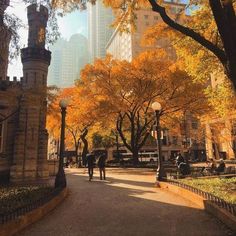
(90, 160)
(102, 161)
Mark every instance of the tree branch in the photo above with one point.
(219, 53)
(119, 129)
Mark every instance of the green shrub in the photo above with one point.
(12, 198)
(224, 188)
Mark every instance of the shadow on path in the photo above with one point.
(125, 208)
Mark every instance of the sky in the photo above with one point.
(72, 23)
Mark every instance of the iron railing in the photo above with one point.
(29, 206)
(231, 208)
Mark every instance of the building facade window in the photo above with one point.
(1, 137)
(145, 16)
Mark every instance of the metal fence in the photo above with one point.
(29, 206)
(231, 208)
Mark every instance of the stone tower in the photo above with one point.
(30, 149)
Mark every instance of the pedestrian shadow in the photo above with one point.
(132, 182)
(112, 180)
(172, 215)
(123, 207)
(133, 171)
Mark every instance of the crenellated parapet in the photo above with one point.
(7, 83)
(13, 79)
(37, 20)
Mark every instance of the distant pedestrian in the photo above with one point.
(90, 162)
(212, 165)
(209, 167)
(184, 168)
(221, 167)
(102, 165)
(179, 159)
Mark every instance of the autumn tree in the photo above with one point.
(81, 117)
(103, 141)
(221, 117)
(222, 13)
(128, 90)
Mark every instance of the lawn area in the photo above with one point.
(12, 198)
(220, 187)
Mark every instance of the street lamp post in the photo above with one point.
(60, 177)
(156, 106)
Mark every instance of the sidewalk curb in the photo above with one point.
(31, 217)
(202, 203)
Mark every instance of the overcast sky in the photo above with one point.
(72, 23)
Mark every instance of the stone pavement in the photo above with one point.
(127, 204)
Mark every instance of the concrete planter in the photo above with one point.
(23, 221)
(202, 203)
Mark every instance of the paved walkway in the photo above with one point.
(127, 204)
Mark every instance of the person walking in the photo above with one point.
(101, 165)
(90, 162)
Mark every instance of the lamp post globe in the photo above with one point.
(63, 103)
(156, 106)
(60, 181)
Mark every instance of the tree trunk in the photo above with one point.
(138, 136)
(77, 156)
(135, 156)
(225, 19)
(5, 38)
(85, 147)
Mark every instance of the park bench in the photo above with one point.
(230, 170)
(196, 172)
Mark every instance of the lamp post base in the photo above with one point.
(60, 181)
(159, 177)
(160, 174)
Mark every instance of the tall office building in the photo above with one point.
(99, 29)
(69, 57)
(126, 46)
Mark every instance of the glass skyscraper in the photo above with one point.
(69, 57)
(100, 19)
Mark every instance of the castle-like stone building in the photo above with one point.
(23, 106)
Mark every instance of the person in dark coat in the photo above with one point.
(184, 168)
(179, 159)
(221, 167)
(101, 165)
(90, 162)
